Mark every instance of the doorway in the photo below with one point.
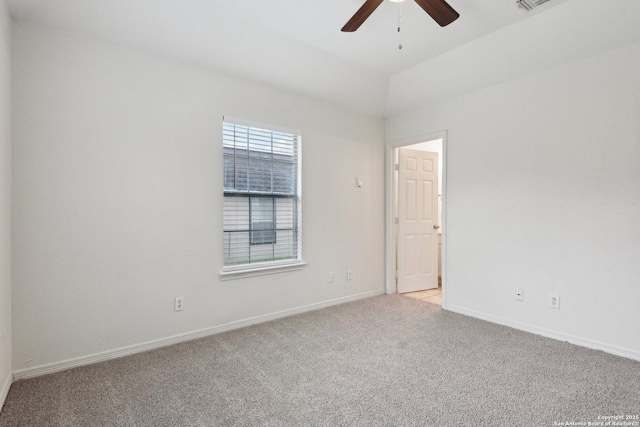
(416, 217)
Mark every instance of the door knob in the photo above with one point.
(435, 227)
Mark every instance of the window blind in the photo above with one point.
(262, 200)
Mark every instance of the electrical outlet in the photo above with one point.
(331, 277)
(554, 300)
(519, 295)
(179, 304)
(349, 274)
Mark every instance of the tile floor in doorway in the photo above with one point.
(434, 296)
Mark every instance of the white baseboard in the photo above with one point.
(4, 391)
(50, 368)
(595, 345)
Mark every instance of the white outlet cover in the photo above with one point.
(554, 300)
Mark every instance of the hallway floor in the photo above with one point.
(434, 296)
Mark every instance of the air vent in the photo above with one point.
(530, 4)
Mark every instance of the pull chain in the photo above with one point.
(399, 34)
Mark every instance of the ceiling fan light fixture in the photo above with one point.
(396, 1)
(530, 4)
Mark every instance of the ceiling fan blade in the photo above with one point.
(361, 15)
(439, 10)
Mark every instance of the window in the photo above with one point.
(262, 204)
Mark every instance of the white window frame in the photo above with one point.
(271, 267)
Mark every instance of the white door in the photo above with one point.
(417, 262)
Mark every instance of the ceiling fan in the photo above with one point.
(439, 10)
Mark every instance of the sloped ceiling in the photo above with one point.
(297, 46)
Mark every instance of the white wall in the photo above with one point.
(118, 198)
(543, 194)
(5, 202)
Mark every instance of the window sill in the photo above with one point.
(260, 271)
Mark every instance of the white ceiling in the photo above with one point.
(375, 45)
(299, 47)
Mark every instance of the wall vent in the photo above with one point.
(530, 4)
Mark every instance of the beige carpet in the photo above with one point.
(384, 361)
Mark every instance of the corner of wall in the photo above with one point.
(4, 390)
(6, 376)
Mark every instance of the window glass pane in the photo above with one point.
(262, 221)
(283, 175)
(285, 209)
(236, 214)
(236, 249)
(260, 171)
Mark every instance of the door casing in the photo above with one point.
(390, 197)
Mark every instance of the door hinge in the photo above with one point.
(397, 220)
(397, 166)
